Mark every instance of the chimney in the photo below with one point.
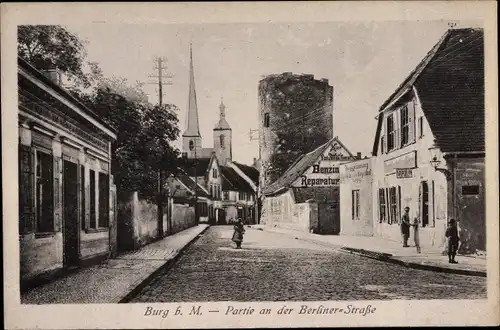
(358, 155)
(53, 74)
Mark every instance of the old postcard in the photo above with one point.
(241, 165)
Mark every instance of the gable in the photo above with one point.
(325, 170)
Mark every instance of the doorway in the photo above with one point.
(70, 214)
(424, 203)
(329, 218)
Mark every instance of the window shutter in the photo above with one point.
(57, 194)
(399, 204)
(420, 206)
(386, 135)
(26, 191)
(411, 122)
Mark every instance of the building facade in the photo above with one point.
(307, 196)
(356, 198)
(430, 149)
(66, 191)
(296, 117)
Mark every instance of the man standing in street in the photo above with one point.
(405, 227)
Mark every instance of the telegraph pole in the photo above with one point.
(161, 65)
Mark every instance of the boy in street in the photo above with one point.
(405, 227)
(453, 239)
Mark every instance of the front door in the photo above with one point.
(328, 218)
(70, 218)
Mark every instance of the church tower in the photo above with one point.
(223, 137)
(191, 138)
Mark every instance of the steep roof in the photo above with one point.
(296, 169)
(450, 85)
(232, 181)
(200, 165)
(249, 171)
(189, 183)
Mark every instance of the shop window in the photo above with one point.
(44, 202)
(103, 200)
(470, 190)
(391, 133)
(92, 201)
(382, 205)
(405, 126)
(266, 120)
(355, 204)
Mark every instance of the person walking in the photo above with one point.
(239, 230)
(453, 239)
(416, 234)
(405, 227)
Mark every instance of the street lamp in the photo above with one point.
(435, 153)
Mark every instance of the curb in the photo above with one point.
(387, 257)
(167, 265)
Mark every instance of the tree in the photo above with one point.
(52, 46)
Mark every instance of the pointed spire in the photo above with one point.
(192, 127)
(222, 108)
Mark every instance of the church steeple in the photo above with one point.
(222, 124)
(192, 126)
(223, 137)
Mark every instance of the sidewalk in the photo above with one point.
(391, 251)
(116, 279)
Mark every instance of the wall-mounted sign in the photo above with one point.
(405, 161)
(356, 172)
(404, 173)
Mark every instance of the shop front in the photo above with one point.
(404, 180)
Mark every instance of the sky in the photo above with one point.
(364, 62)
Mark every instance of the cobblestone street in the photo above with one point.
(275, 267)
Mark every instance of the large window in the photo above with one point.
(103, 200)
(355, 204)
(405, 126)
(391, 133)
(44, 209)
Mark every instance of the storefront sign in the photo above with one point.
(406, 161)
(404, 173)
(356, 172)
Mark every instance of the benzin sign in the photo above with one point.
(404, 173)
